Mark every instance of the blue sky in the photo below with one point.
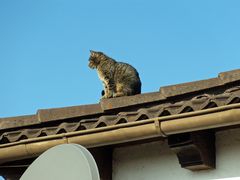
(44, 46)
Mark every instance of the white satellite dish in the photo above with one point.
(63, 162)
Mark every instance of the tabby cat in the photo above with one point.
(119, 79)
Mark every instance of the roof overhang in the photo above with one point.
(196, 109)
(224, 116)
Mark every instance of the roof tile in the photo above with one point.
(68, 112)
(109, 112)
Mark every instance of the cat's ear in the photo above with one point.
(93, 53)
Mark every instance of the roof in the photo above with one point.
(187, 115)
(170, 100)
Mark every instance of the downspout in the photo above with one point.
(157, 127)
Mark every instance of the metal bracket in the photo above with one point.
(195, 150)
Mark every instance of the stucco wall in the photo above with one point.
(153, 161)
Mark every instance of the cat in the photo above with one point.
(119, 79)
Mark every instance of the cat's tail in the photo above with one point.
(137, 88)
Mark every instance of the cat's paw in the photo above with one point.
(109, 94)
(118, 95)
(106, 96)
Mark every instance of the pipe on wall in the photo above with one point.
(157, 127)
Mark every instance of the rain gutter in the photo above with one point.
(223, 116)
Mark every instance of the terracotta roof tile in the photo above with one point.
(195, 104)
(19, 121)
(68, 112)
(171, 100)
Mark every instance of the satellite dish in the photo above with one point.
(67, 161)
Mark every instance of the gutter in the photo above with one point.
(223, 116)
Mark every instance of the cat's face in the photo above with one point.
(94, 59)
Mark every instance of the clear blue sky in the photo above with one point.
(44, 46)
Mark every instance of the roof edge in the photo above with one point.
(129, 132)
(189, 87)
(45, 115)
(117, 104)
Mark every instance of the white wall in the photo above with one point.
(155, 161)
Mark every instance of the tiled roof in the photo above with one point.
(170, 100)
